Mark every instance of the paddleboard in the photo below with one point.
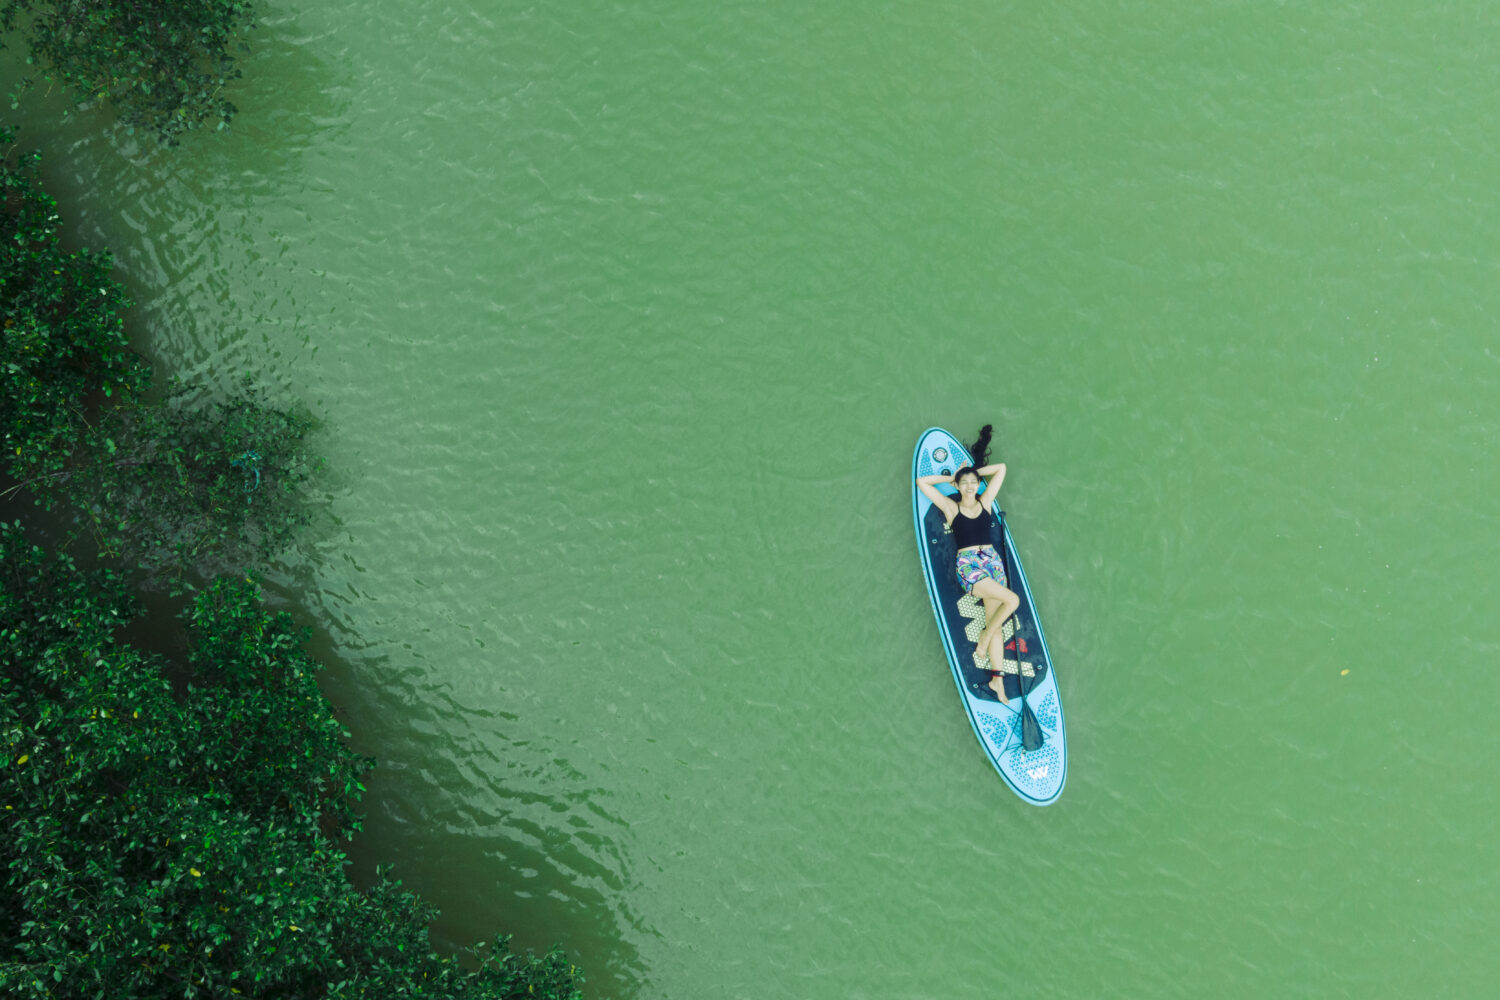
(1036, 775)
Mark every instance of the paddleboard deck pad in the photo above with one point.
(1036, 775)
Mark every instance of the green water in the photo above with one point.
(623, 321)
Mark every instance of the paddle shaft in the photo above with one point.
(1031, 730)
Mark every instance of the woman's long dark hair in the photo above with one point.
(979, 451)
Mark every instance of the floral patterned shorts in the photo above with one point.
(976, 564)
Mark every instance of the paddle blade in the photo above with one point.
(1031, 732)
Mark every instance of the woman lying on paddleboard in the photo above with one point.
(980, 570)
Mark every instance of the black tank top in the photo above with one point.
(969, 531)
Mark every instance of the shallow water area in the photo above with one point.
(622, 324)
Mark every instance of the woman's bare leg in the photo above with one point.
(999, 604)
(991, 612)
(997, 658)
(992, 607)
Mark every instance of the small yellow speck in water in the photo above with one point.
(1344, 672)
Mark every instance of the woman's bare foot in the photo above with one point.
(997, 685)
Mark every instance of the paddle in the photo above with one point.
(1031, 730)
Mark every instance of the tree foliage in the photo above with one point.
(62, 340)
(162, 484)
(185, 482)
(170, 829)
(163, 64)
(157, 844)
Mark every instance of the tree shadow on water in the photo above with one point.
(288, 98)
(501, 836)
(534, 868)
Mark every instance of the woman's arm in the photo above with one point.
(928, 485)
(996, 475)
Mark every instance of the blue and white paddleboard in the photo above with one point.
(1038, 775)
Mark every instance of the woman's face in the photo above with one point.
(968, 485)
